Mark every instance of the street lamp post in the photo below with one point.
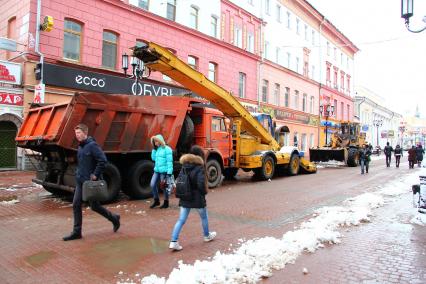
(326, 110)
(139, 71)
(402, 130)
(377, 123)
(407, 12)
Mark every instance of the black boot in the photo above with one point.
(155, 204)
(165, 204)
(116, 223)
(72, 236)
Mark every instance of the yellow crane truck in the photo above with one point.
(254, 148)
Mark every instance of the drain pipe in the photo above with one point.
(320, 78)
(37, 39)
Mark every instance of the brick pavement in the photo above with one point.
(32, 250)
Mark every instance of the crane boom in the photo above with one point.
(160, 59)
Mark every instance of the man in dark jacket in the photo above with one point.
(411, 157)
(388, 152)
(419, 154)
(398, 154)
(91, 163)
(364, 158)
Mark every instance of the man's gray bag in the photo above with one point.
(95, 190)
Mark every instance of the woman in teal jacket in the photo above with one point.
(162, 155)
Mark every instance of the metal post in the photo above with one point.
(326, 129)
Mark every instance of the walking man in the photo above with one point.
(364, 158)
(388, 152)
(91, 163)
(398, 154)
(412, 157)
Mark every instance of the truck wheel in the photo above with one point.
(230, 173)
(138, 180)
(352, 157)
(113, 178)
(267, 170)
(186, 135)
(294, 165)
(214, 173)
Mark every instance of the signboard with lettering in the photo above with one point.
(10, 73)
(391, 134)
(39, 94)
(11, 99)
(74, 78)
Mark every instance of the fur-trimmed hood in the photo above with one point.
(191, 159)
(158, 138)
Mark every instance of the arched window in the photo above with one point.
(72, 40)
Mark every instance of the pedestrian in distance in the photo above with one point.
(193, 164)
(398, 155)
(412, 157)
(91, 162)
(364, 158)
(419, 154)
(388, 152)
(162, 155)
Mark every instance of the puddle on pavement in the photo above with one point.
(115, 255)
(8, 198)
(39, 258)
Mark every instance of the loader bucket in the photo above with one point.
(327, 154)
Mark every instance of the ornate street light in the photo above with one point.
(402, 130)
(326, 110)
(377, 123)
(407, 13)
(139, 70)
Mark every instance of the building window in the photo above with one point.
(297, 64)
(193, 62)
(313, 72)
(296, 100)
(144, 4)
(193, 18)
(238, 36)
(304, 102)
(342, 110)
(267, 7)
(288, 60)
(335, 78)
(313, 37)
(311, 140)
(348, 82)
(303, 142)
(287, 97)
(297, 26)
(242, 85)
(342, 81)
(328, 48)
(212, 72)
(266, 49)
(306, 32)
(347, 62)
(335, 109)
(348, 111)
(109, 50)
(279, 13)
(335, 53)
(295, 139)
(250, 42)
(311, 105)
(11, 33)
(328, 75)
(288, 20)
(213, 26)
(306, 68)
(341, 59)
(72, 40)
(265, 90)
(171, 10)
(277, 94)
(277, 55)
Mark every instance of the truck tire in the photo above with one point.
(353, 159)
(267, 170)
(138, 180)
(186, 135)
(113, 178)
(214, 173)
(230, 173)
(294, 165)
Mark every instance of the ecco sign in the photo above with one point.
(95, 82)
(78, 79)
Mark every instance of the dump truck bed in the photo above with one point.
(119, 123)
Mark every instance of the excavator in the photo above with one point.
(343, 147)
(254, 148)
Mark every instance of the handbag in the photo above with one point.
(163, 184)
(95, 190)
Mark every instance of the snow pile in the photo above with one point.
(9, 202)
(418, 218)
(330, 164)
(256, 259)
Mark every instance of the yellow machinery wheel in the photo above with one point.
(294, 165)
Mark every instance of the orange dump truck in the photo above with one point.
(122, 125)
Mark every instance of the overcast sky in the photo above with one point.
(391, 61)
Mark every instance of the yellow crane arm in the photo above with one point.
(160, 59)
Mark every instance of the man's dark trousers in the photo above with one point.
(388, 160)
(94, 205)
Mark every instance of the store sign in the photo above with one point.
(39, 94)
(102, 83)
(11, 99)
(384, 134)
(8, 44)
(391, 134)
(10, 73)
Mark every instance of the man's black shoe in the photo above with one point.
(72, 236)
(116, 223)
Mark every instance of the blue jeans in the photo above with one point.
(364, 163)
(184, 212)
(155, 180)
